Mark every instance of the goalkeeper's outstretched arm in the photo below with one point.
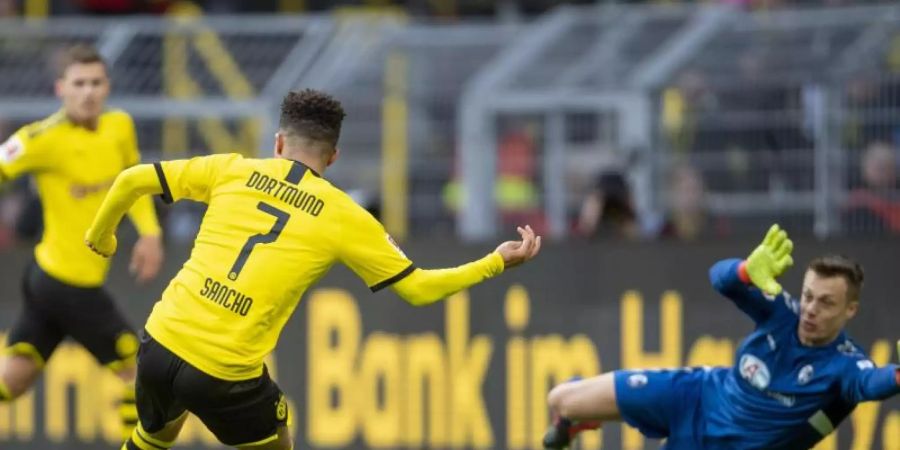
(736, 279)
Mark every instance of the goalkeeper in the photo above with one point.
(796, 375)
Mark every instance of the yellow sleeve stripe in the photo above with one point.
(44, 125)
(403, 274)
(166, 192)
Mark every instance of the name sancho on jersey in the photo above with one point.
(226, 296)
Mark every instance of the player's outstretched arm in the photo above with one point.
(130, 185)
(867, 383)
(423, 287)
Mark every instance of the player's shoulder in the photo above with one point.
(791, 303)
(851, 354)
(43, 127)
(116, 115)
(785, 308)
(264, 168)
(224, 161)
(346, 201)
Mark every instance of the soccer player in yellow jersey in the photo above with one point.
(272, 229)
(74, 155)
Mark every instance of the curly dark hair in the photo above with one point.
(313, 115)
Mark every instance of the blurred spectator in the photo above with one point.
(863, 95)
(681, 104)
(8, 8)
(875, 207)
(515, 192)
(608, 209)
(688, 217)
(115, 7)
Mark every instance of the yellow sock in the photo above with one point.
(128, 411)
(142, 440)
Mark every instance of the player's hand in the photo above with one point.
(770, 259)
(517, 252)
(104, 246)
(146, 258)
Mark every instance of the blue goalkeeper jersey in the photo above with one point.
(779, 387)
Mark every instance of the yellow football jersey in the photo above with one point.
(73, 169)
(273, 228)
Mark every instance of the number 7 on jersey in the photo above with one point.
(281, 219)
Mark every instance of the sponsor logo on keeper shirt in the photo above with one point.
(848, 348)
(786, 400)
(755, 372)
(805, 374)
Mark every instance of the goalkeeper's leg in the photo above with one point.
(580, 405)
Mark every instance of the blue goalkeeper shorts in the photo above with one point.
(663, 404)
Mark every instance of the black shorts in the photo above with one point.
(54, 310)
(237, 412)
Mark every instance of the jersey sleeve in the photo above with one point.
(865, 382)
(726, 280)
(367, 249)
(191, 179)
(20, 154)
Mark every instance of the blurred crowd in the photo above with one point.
(433, 8)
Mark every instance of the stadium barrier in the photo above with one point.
(367, 371)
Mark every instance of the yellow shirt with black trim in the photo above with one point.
(73, 168)
(272, 229)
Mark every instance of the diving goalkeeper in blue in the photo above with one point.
(796, 375)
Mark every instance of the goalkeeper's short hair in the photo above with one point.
(840, 266)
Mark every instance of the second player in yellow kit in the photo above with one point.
(272, 229)
(73, 156)
(73, 169)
